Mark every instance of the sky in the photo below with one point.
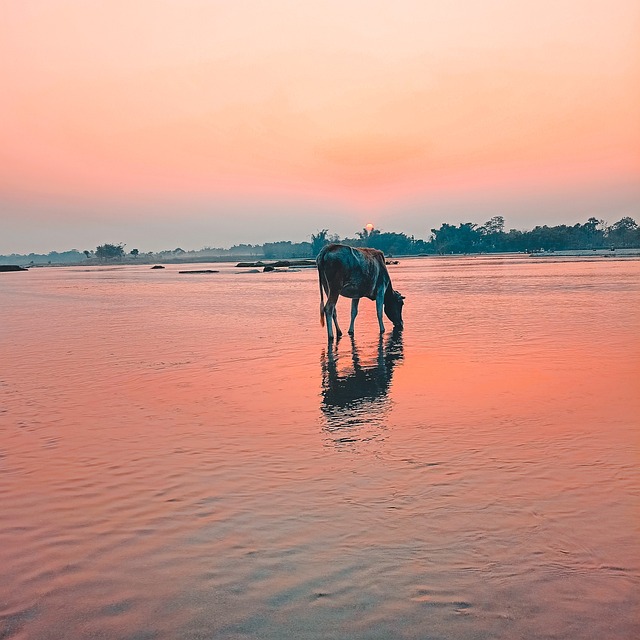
(192, 123)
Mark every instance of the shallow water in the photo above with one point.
(184, 456)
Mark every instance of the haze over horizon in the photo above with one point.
(201, 123)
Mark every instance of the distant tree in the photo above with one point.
(514, 240)
(494, 225)
(278, 250)
(60, 257)
(245, 250)
(465, 238)
(319, 240)
(492, 234)
(589, 235)
(134, 253)
(87, 253)
(420, 246)
(545, 238)
(110, 251)
(367, 237)
(287, 249)
(390, 243)
(624, 233)
(303, 250)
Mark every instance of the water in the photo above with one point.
(183, 456)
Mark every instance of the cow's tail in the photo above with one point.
(321, 295)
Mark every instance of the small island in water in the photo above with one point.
(11, 267)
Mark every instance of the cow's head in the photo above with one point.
(393, 302)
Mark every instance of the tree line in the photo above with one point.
(464, 238)
(491, 237)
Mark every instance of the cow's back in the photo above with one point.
(354, 272)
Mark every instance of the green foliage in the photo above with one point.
(466, 237)
(624, 234)
(110, 251)
(491, 237)
(319, 240)
(53, 257)
(287, 249)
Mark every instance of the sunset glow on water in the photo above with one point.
(186, 456)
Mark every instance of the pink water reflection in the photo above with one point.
(179, 460)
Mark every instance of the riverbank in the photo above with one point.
(254, 262)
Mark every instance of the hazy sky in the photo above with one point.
(191, 123)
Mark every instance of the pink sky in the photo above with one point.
(164, 123)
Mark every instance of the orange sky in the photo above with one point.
(218, 122)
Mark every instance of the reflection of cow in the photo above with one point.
(355, 273)
(358, 396)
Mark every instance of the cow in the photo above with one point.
(355, 273)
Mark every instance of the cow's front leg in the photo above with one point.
(354, 313)
(379, 304)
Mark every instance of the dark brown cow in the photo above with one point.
(355, 273)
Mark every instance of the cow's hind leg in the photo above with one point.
(328, 317)
(335, 320)
(379, 306)
(331, 316)
(354, 313)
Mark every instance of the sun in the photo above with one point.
(369, 227)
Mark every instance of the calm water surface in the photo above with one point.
(183, 456)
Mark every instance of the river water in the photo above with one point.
(184, 456)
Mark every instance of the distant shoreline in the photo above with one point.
(593, 238)
(238, 260)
